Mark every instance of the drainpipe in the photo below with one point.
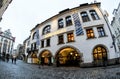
(113, 38)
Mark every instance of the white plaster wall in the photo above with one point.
(84, 45)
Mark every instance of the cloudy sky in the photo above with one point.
(22, 15)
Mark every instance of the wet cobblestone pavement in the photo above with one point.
(22, 70)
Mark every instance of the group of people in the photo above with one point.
(13, 58)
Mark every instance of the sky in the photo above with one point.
(23, 15)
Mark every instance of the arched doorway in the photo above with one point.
(100, 55)
(68, 57)
(46, 57)
(32, 58)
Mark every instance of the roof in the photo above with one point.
(66, 10)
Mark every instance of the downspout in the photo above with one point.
(109, 29)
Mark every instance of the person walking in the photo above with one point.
(14, 60)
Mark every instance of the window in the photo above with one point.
(60, 23)
(34, 36)
(118, 30)
(42, 43)
(116, 33)
(48, 42)
(70, 37)
(60, 39)
(119, 20)
(46, 29)
(99, 53)
(94, 15)
(90, 33)
(68, 21)
(101, 31)
(85, 17)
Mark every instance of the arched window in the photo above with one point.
(46, 29)
(68, 20)
(34, 36)
(94, 15)
(60, 23)
(99, 54)
(84, 16)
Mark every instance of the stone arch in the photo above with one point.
(45, 57)
(68, 56)
(100, 55)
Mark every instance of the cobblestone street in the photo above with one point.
(22, 70)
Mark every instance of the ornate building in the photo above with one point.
(116, 25)
(78, 36)
(6, 43)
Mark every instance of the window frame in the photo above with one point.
(85, 16)
(91, 31)
(59, 39)
(70, 38)
(47, 42)
(42, 43)
(46, 29)
(68, 20)
(101, 31)
(60, 23)
(94, 15)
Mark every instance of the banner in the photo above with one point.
(78, 27)
(37, 37)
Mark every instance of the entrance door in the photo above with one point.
(100, 55)
(68, 57)
(46, 58)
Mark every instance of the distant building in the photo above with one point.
(3, 6)
(6, 42)
(78, 36)
(20, 51)
(26, 45)
(116, 25)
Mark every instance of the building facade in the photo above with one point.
(78, 36)
(116, 25)
(3, 6)
(6, 43)
(20, 50)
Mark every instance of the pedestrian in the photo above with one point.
(39, 63)
(14, 60)
(7, 57)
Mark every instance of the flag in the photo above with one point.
(37, 37)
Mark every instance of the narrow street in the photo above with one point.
(21, 70)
